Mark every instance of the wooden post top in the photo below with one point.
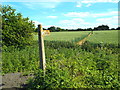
(39, 25)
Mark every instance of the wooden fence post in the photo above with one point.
(41, 48)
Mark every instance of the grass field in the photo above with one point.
(64, 36)
(109, 37)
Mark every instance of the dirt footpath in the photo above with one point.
(83, 40)
(14, 81)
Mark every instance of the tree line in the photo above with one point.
(100, 27)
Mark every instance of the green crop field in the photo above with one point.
(64, 36)
(109, 37)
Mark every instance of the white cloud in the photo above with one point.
(52, 17)
(90, 2)
(33, 0)
(79, 4)
(98, 1)
(107, 18)
(34, 5)
(88, 14)
(74, 23)
(81, 23)
(49, 4)
(88, 5)
(84, 1)
(77, 14)
(111, 20)
(105, 14)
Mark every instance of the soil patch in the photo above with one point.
(14, 81)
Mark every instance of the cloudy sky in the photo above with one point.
(71, 14)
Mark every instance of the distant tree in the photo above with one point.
(95, 28)
(65, 29)
(103, 27)
(79, 29)
(89, 29)
(59, 29)
(52, 29)
(16, 30)
(113, 29)
(118, 28)
(55, 29)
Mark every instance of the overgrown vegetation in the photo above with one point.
(68, 65)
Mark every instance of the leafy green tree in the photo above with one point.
(52, 29)
(118, 28)
(113, 29)
(103, 27)
(16, 30)
(58, 29)
(89, 29)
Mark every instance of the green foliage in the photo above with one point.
(20, 60)
(16, 30)
(78, 67)
(101, 27)
(68, 65)
(55, 29)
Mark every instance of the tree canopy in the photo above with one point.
(98, 28)
(16, 30)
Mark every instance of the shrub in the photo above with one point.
(16, 30)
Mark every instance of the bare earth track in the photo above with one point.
(83, 40)
(14, 81)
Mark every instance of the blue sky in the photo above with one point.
(72, 15)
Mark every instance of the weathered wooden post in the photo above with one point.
(41, 48)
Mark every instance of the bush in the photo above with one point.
(16, 30)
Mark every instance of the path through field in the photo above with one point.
(84, 39)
